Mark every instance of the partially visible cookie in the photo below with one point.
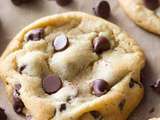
(155, 119)
(73, 66)
(145, 13)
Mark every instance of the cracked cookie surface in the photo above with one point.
(73, 66)
(145, 13)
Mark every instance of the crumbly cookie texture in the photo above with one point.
(141, 15)
(73, 66)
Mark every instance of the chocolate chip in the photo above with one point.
(3, 115)
(35, 35)
(152, 4)
(18, 105)
(51, 84)
(22, 68)
(102, 9)
(60, 43)
(133, 82)
(97, 115)
(16, 90)
(17, 102)
(101, 44)
(156, 86)
(100, 87)
(121, 104)
(63, 2)
(20, 2)
(62, 107)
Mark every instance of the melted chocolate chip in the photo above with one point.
(22, 68)
(63, 2)
(102, 9)
(51, 84)
(100, 87)
(121, 104)
(97, 115)
(17, 102)
(62, 107)
(3, 115)
(60, 43)
(152, 4)
(156, 86)
(18, 105)
(101, 44)
(35, 35)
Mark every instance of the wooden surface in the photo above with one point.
(13, 19)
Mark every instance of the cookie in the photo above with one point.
(73, 66)
(145, 13)
(155, 119)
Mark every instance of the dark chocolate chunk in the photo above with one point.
(35, 35)
(51, 84)
(100, 87)
(62, 107)
(63, 2)
(97, 115)
(122, 104)
(3, 115)
(101, 44)
(60, 43)
(156, 86)
(102, 9)
(20, 2)
(152, 4)
(22, 68)
(18, 105)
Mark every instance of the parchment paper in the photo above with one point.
(15, 18)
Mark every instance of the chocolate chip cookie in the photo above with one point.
(145, 13)
(73, 66)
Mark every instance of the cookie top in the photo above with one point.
(73, 66)
(145, 13)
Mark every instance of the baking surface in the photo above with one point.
(13, 19)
